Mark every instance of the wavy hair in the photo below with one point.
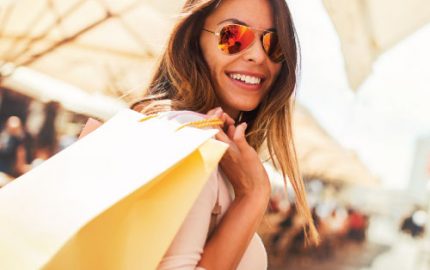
(182, 82)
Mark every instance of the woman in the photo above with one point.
(236, 60)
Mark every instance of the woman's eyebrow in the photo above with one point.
(233, 20)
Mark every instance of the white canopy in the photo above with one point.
(367, 28)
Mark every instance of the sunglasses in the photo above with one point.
(235, 38)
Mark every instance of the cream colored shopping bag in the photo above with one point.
(113, 200)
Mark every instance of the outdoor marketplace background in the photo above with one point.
(362, 119)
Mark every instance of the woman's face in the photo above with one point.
(234, 94)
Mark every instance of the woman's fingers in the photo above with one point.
(230, 131)
(221, 136)
(228, 119)
(235, 137)
(239, 136)
(213, 111)
(231, 134)
(218, 112)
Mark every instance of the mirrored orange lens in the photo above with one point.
(272, 48)
(235, 38)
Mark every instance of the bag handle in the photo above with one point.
(210, 122)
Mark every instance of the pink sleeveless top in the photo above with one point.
(186, 249)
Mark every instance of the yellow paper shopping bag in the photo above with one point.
(113, 200)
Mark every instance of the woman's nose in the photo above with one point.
(255, 53)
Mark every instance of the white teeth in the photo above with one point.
(246, 78)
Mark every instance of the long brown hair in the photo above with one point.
(182, 82)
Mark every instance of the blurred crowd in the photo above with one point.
(20, 150)
(337, 225)
(29, 134)
(346, 227)
(414, 223)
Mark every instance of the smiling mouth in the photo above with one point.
(247, 79)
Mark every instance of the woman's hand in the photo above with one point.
(241, 163)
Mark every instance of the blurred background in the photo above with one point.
(362, 117)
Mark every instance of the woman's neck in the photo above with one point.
(233, 113)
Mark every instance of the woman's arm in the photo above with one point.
(186, 249)
(190, 249)
(251, 185)
(224, 250)
(232, 236)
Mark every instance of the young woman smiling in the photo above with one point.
(236, 60)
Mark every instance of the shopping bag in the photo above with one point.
(113, 200)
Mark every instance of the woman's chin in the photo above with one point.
(244, 107)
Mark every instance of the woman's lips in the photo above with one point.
(245, 85)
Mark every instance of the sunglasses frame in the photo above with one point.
(254, 30)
